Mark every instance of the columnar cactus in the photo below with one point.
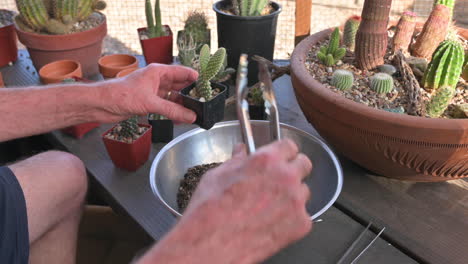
(342, 79)
(434, 32)
(210, 65)
(381, 83)
(350, 30)
(196, 27)
(448, 3)
(404, 32)
(440, 101)
(249, 7)
(129, 127)
(331, 54)
(445, 67)
(55, 17)
(154, 30)
(372, 36)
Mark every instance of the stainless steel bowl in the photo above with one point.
(201, 146)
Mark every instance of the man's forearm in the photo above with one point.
(35, 110)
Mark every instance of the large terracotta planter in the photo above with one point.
(84, 47)
(393, 145)
(8, 47)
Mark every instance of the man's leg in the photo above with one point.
(54, 185)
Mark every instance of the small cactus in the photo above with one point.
(196, 27)
(342, 79)
(350, 30)
(381, 83)
(129, 127)
(445, 67)
(210, 66)
(154, 30)
(187, 51)
(440, 101)
(331, 54)
(433, 33)
(465, 68)
(404, 32)
(249, 7)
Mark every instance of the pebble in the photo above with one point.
(387, 68)
(202, 99)
(329, 69)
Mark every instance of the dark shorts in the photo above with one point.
(14, 236)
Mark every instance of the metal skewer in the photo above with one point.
(368, 246)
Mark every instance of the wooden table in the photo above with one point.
(426, 222)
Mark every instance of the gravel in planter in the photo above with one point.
(361, 92)
(190, 182)
(114, 134)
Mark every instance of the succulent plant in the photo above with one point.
(350, 30)
(372, 36)
(210, 66)
(433, 33)
(54, 18)
(465, 68)
(256, 95)
(445, 67)
(404, 31)
(224, 72)
(129, 127)
(196, 27)
(440, 101)
(381, 83)
(249, 7)
(154, 30)
(448, 3)
(330, 54)
(187, 51)
(342, 79)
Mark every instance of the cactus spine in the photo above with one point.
(381, 83)
(210, 65)
(342, 79)
(445, 67)
(440, 101)
(434, 32)
(350, 30)
(331, 54)
(129, 127)
(154, 29)
(372, 36)
(249, 7)
(404, 32)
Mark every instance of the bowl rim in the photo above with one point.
(154, 180)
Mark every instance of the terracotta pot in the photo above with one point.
(78, 131)
(129, 156)
(84, 47)
(125, 72)
(393, 145)
(9, 48)
(57, 71)
(158, 50)
(110, 65)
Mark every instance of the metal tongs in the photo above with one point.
(242, 90)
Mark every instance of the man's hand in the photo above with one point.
(153, 89)
(243, 211)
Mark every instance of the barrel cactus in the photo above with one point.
(350, 30)
(440, 101)
(209, 67)
(129, 127)
(154, 30)
(342, 79)
(330, 54)
(196, 27)
(54, 18)
(381, 83)
(445, 67)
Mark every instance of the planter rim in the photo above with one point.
(194, 83)
(275, 5)
(299, 72)
(103, 136)
(100, 30)
(145, 28)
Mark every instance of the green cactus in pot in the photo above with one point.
(154, 25)
(330, 54)
(196, 28)
(209, 67)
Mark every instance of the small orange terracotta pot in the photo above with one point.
(110, 65)
(57, 71)
(125, 72)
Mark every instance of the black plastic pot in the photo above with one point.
(163, 130)
(250, 35)
(208, 113)
(257, 112)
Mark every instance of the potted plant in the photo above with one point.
(163, 128)
(195, 30)
(204, 97)
(128, 144)
(66, 29)
(247, 27)
(80, 130)
(156, 40)
(399, 125)
(256, 103)
(9, 50)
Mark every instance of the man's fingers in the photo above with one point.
(174, 111)
(302, 165)
(177, 77)
(285, 149)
